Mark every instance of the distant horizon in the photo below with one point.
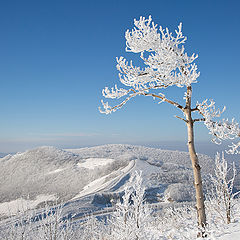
(202, 147)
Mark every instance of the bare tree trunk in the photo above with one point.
(228, 208)
(228, 215)
(196, 167)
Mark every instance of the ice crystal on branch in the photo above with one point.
(144, 36)
(234, 148)
(208, 110)
(114, 93)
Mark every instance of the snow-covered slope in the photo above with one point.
(167, 174)
(48, 171)
(103, 170)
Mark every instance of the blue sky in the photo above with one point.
(56, 56)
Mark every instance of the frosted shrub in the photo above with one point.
(92, 229)
(132, 219)
(17, 227)
(221, 195)
(33, 225)
(177, 222)
(52, 226)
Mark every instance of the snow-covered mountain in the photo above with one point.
(166, 174)
(50, 174)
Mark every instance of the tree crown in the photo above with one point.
(166, 64)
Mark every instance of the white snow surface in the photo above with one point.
(21, 204)
(79, 175)
(50, 171)
(102, 182)
(71, 174)
(91, 163)
(56, 171)
(232, 233)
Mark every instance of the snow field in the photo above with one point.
(21, 205)
(92, 163)
(102, 182)
(81, 173)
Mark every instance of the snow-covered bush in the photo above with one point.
(179, 192)
(177, 222)
(31, 225)
(92, 229)
(132, 219)
(221, 193)
(17, 227)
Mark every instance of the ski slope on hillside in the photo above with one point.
(102, 183)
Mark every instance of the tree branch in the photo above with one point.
(199, 120)
(186, 121)
(194, 109)
(134, 94)
(125, 101)
(164, 99)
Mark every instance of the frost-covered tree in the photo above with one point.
(166, 64)
(177, 222)
(132, 219)
(51, 225)
(18, 227)
(221, 195)
(93, 229)
(32, 224)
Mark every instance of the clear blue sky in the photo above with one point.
(56, 56)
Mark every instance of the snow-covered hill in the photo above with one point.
(50, 174)
(167, 174)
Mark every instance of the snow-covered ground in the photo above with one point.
(21, 204)
(73, 173)
(104, 182)
(92, 163)
(48, 171)
(232, 232)
(88, 179)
